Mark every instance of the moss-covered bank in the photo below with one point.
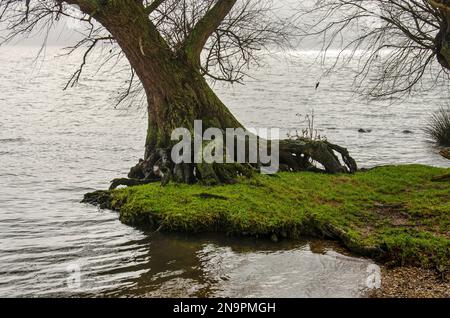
(396, 213)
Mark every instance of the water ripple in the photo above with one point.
(55, 146)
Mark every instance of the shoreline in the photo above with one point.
(411, 282)
(395, 215)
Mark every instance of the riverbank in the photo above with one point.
(395, 214)
(411, 282)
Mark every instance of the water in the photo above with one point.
(55, 146)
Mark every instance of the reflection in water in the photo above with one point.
(227, 267)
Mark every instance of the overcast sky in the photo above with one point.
(64, 34)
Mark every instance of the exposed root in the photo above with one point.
(99, 198)
(130, 182)
(445, 153)
(443, 178)
(298, 155)
(295, 155)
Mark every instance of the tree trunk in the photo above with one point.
(185, 99)
(177, 95)
(442, 40)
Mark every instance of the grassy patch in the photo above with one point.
(394, 213)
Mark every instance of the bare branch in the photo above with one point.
(235, 33)
(204, 28)
(150, 8)
(251, 29)
(396, 42)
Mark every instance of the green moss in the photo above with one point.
(394, 213)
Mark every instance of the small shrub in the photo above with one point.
(439, 126)
(308, 133)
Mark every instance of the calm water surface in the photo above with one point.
(55, 146)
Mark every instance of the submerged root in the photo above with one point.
(102, 199)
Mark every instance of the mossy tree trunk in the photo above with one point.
(443, 37)
(178, 94)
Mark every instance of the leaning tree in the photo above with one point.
(396, 42)
(173, 47)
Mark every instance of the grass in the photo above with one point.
(393, 213)
(439, 127)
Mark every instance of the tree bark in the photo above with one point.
(442, 40)
(178, 94)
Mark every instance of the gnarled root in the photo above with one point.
(130, 182)
(295, 155)
(101, 198)
(299, 155)
(445, 153)
(444, 178)
(215, 173)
